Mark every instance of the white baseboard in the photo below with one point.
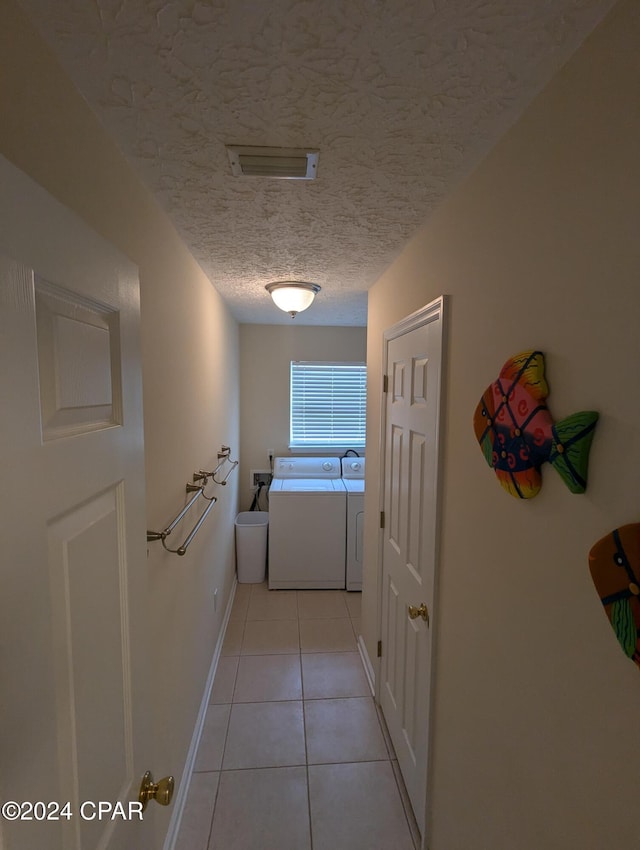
(368, 666)
(185, 781)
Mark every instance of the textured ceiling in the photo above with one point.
(402, 98)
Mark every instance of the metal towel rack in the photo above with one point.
(197, 490)
(223, 457)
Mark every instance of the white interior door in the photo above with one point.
(413, 365)
(72, 520)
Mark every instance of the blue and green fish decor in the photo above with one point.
(517, 433)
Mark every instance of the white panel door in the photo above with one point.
(72, 541)
(413, 364)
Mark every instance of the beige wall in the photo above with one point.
(190, 368)
(536, 707)
(266, 352)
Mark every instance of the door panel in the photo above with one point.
(413, 357)
(419, 380)
(395, 485)
(393, 680)
(72, 525)
(78, 362)
(412, 673)
(88, 573)
(415, 507)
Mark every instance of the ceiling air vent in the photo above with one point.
(283, 163)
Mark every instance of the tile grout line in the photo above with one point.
(213, 811)
(289, 766)
(304, 730)
(306, 750)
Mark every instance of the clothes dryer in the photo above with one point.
(307, 524)
(353, 479)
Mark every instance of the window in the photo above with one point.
(328, 404)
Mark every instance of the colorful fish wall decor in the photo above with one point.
(517, 434)
(614, 562)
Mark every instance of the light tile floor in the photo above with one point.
(294, 754)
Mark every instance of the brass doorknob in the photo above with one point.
(161, 791)
(422, 611)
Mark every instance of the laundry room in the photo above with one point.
(266, 353)
(313, 478)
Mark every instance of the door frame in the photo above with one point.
(438, 309)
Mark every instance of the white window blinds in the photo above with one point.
(328, 404)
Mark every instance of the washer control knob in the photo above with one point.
(356, 466)
(327, 466)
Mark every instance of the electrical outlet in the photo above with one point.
(258, 476)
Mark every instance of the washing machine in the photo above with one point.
(307, 524)
(353, 479)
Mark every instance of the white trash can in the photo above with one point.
(251, 546)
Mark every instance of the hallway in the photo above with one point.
(293, 755)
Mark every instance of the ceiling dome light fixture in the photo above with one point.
(292, 296)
